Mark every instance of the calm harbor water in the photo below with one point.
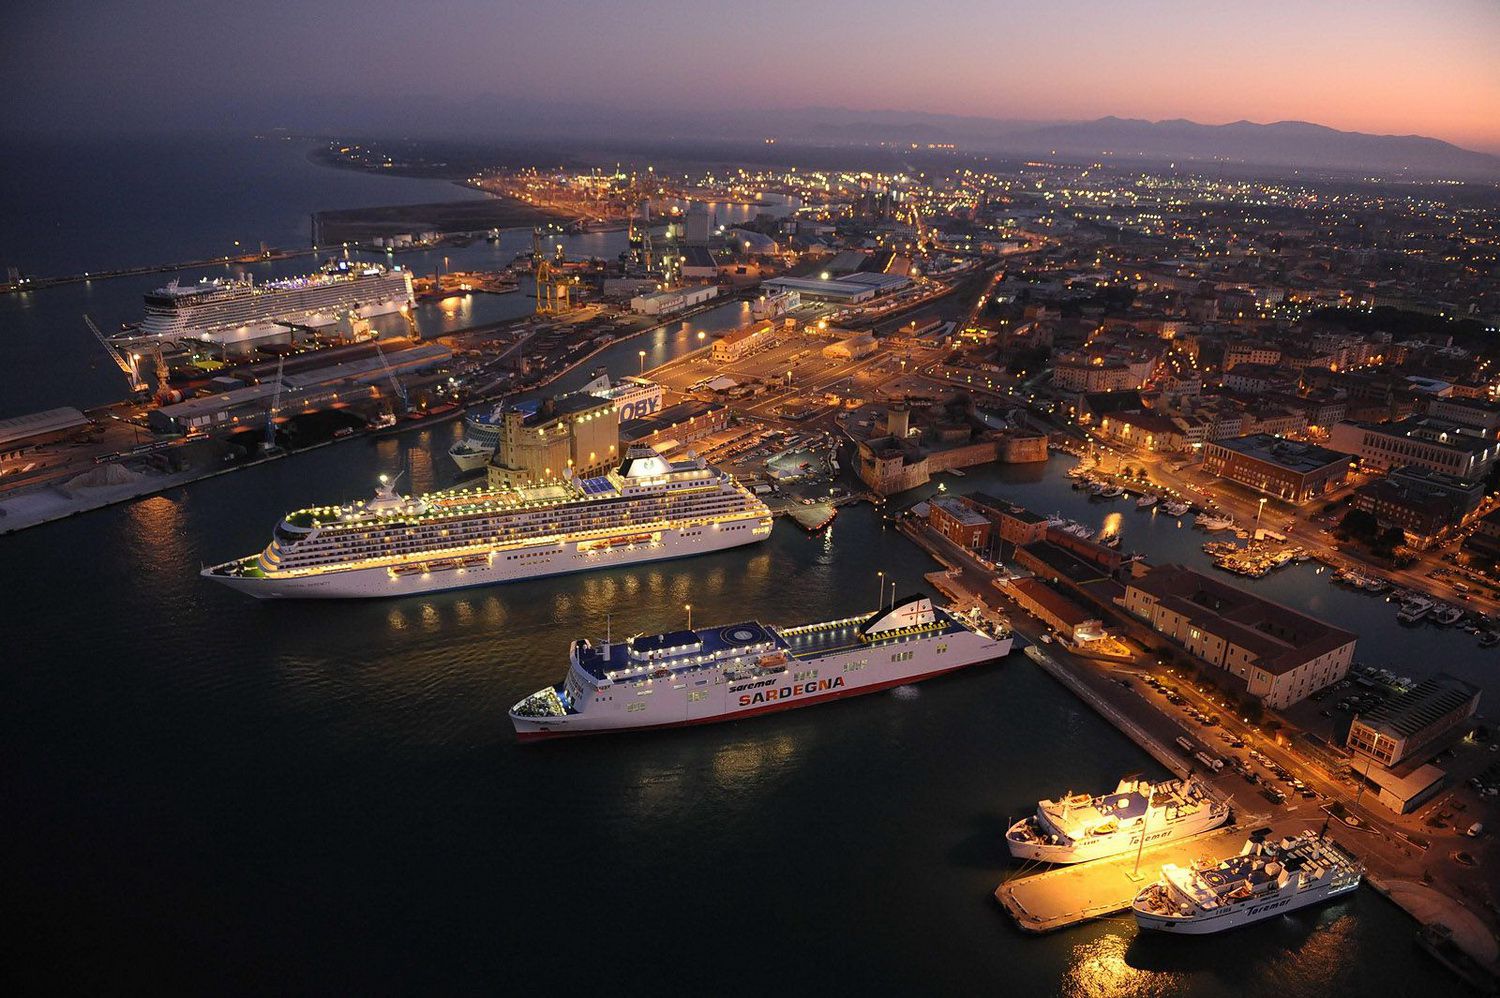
(213, 792)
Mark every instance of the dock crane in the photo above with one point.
(554, 294)
(275, 406)
(390, 373)
(125, 362)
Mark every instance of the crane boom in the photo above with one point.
(125, 363)
(390, 373)
(275, 405)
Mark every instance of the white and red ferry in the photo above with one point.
(745, 669)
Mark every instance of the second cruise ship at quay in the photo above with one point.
(1264, 880)
(741, 670)
(239, 310)
(1076, 827)
(394, 545)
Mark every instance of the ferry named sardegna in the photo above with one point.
(740, 670)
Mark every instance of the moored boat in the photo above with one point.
(1077, 827)
(1264, 880)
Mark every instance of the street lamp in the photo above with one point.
(881, 582)
(1259, 509)
(643, 361)
(689, 608)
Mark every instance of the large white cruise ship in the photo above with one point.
(1262, 881)
(395, 545)
(723, 673)
(1077, 827)
(634, 398)
(226, 310)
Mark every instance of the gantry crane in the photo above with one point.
(128, 363)
(554, 293)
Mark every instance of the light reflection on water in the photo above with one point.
(1099, 969)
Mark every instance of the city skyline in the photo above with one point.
(1383, 68)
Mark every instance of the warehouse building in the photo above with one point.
(838, 292)
(675, 425)
(1270, 465)
(1414, 722)
(741, 343)
(852, 348)
(667, 302)
(327, 387)
(1052, 608)
(1281, 655)
(20, 435)
(959, 522)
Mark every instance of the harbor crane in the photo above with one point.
(390, 373)
(554, 293)
(128, 363)
(275, 406)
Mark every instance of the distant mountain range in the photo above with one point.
(1286, 144)
(1281, 143)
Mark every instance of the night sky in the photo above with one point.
(1429, 67)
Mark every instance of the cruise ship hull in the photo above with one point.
(516, 565)
(1241, 915)
(673, 704)
(1113, 845)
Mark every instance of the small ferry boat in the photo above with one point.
(1263, 881)
(1077, 827)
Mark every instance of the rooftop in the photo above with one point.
(34, 423)
(959, 511)
(1282, 639)
(1421, 706)
(1289, 454)
(1011, 509)
(1054, 602)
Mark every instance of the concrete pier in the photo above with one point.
(1065, 896)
